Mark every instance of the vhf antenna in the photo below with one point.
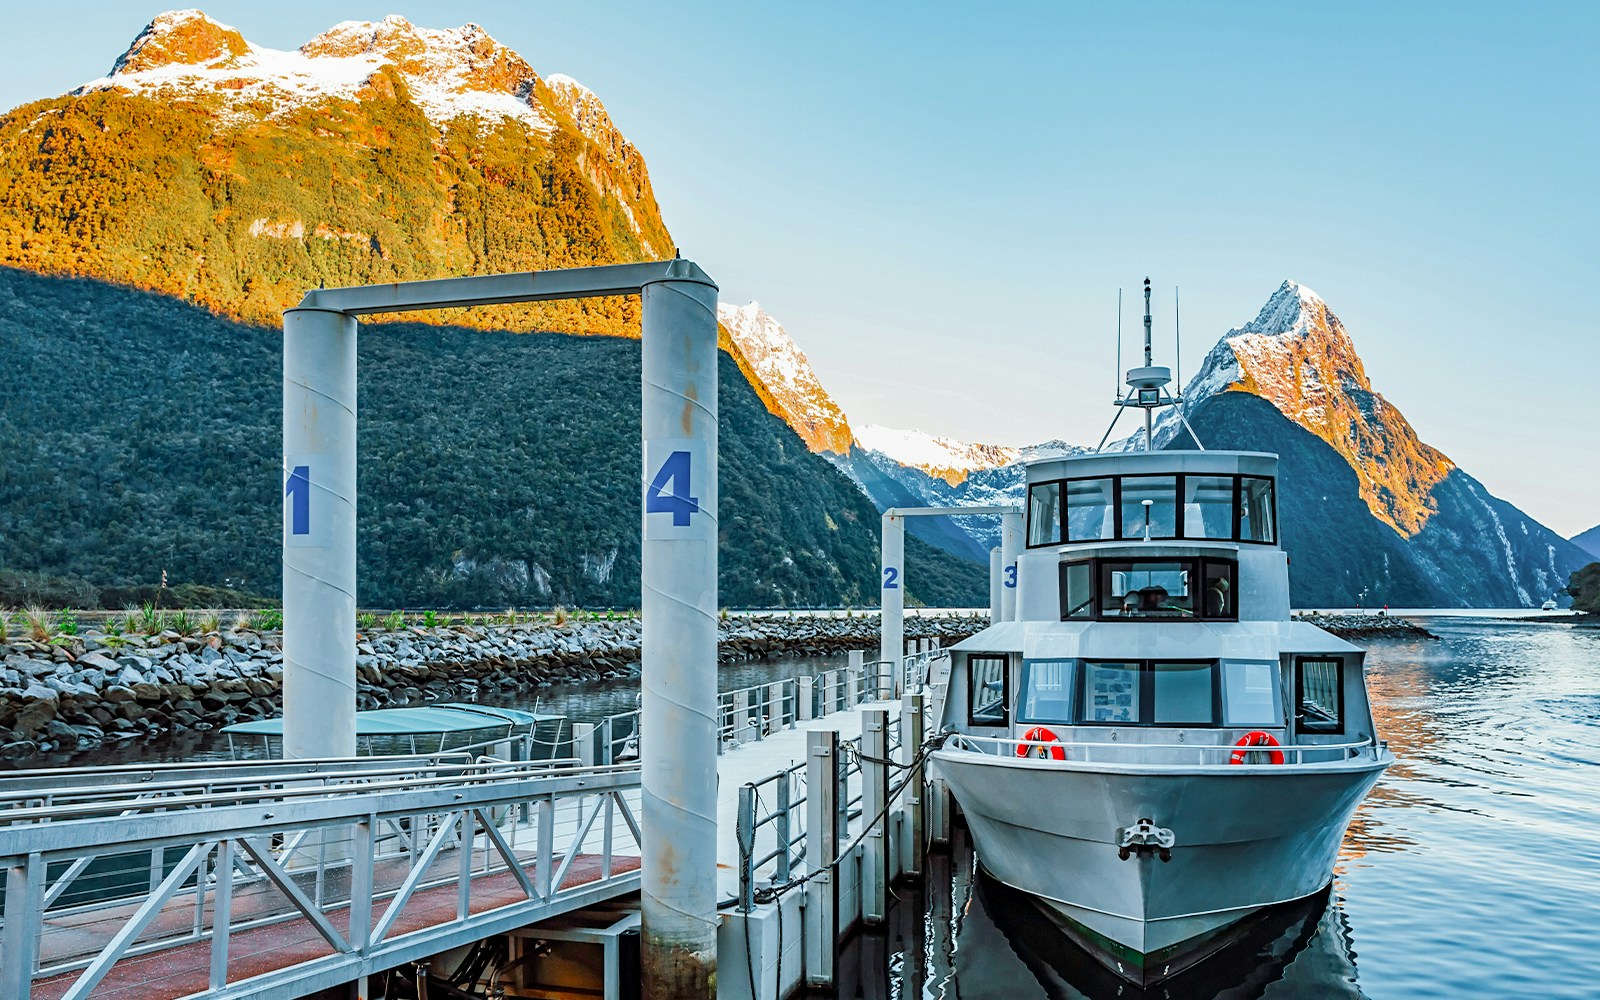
(1177, 335)
(1149, 412)
(1116, 376)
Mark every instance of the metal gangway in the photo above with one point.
(282, 878)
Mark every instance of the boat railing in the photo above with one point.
(1160, 753)
(348, 862)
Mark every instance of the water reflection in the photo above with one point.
(968, 937)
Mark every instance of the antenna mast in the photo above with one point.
(1117, 375)
(1149, 412)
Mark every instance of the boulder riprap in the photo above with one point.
(1367, 626)
(80, 690)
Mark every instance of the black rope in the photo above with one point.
(772, 893)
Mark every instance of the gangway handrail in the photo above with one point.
(501, 823)
(130, 773)
(482, 775)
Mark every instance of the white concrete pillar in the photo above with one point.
(319, 534)
(1010, 549)
(891, 629)
(678, 679)
(996, 586)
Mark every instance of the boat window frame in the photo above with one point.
(1147, 693)
(1196, 565)
(1071, 665)
(1005, 691)
(1062, 485)
(1337, 727)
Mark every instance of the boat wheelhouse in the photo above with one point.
(1154, 748)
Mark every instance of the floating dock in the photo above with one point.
(291, 878)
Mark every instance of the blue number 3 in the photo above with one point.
(1011, 575)
(674, 499)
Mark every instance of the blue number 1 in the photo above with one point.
(299, 490)
(660, 499)
(1011, 575)
(891, 578)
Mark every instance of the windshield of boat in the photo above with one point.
(1173, 587)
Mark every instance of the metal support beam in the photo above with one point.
(875, 800)
(679, 563)
(891, 582)
(319, 534)
(678, 704)
(996, 585)
(1010, 549)
(822, 849)
(912, 734)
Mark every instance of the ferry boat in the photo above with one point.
(1154, 750)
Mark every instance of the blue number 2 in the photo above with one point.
(299, 492)
(1011, 575)
(891, 578)
(660, 498)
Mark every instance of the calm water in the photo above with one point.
(1472, 871)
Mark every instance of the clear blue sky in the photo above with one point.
(940, 200)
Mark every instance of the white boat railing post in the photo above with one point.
(822, 845)
(875, 800)
(806, 707)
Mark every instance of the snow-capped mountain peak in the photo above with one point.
(947, 459)
(792, 388)
(1297, 355)
(448, 72)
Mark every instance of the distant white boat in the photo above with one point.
(1154, 750)
(1549, 606)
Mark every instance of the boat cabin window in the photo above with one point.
(1319, 695)
(1090, 509)
(1143, 589)
(1120, 589)
(1149, 507)
(1150, 693)
(1248, 690)
(1137, 507)
(1258, 514)
(986, 691)
(1044, 514)
(1208, 507)
(1046, 692)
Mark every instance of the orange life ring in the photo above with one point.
(1040, 737)
(1255, 739)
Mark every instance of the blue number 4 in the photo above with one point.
(668, 492)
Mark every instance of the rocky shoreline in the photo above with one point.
(75, 692)
(1367, 626)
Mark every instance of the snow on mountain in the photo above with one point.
(942, 457)
(795, 393)
(448, 72)
(1297, 355)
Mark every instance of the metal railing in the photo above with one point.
(772, 824)
(1160, 753)
(755, 712)
(333, 871)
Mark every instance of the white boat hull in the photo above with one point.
(1245, 837)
